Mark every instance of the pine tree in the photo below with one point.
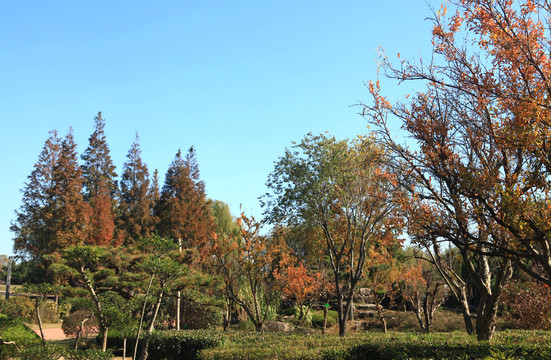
(183, 209)
(136, 202)
(100, 187)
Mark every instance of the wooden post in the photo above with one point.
(8, 278)
(178, 295)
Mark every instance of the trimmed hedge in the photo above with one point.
(442, 351)
(56, 352)
(176, 345)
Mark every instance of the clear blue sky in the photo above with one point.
(239, 80)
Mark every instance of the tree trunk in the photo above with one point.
(145, 347)
(104, 341)
(342, 316)
(39, 320)
(382, 317)
(325, 310)
(141, 318)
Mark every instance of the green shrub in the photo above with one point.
(196, 316)
(55, 352)
(13, 329)
(176, 345)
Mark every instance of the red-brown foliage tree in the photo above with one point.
(100, 188)
(183, 209)
(136, 199)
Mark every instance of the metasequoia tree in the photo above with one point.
(53, 214)
(482, 124)
(100, 187)
(183, 210)
(343, 189)
(243, 261)
(136, 199)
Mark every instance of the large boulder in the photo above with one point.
(277, 326)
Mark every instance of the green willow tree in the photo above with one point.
(342, 189)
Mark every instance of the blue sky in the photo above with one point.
(239, 80)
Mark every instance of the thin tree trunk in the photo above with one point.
(39, 320)
(325, 310)
(145, 348)
(141, 318)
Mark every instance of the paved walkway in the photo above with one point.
(52, 333)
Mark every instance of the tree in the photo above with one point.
(82, 263)
(343, 190)
(243, 261)
(32, 226)
(482, 122)
(183, 209)
(53, 214)
(424, 291)
(136, 200)
(100, 187)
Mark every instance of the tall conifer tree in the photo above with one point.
(136, 202)
(183, 209)
(54, 214)
(32, 226)
(100, 186)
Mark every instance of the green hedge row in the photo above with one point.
(411, 351)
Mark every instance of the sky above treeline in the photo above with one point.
(238, 80)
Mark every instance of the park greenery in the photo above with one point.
(372, 247)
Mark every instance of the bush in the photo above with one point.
(72, 323)
(176, 345)
(317, 318)
(195, 316)
(527, 304)
(18, 307)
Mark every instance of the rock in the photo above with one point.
(277, 326)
